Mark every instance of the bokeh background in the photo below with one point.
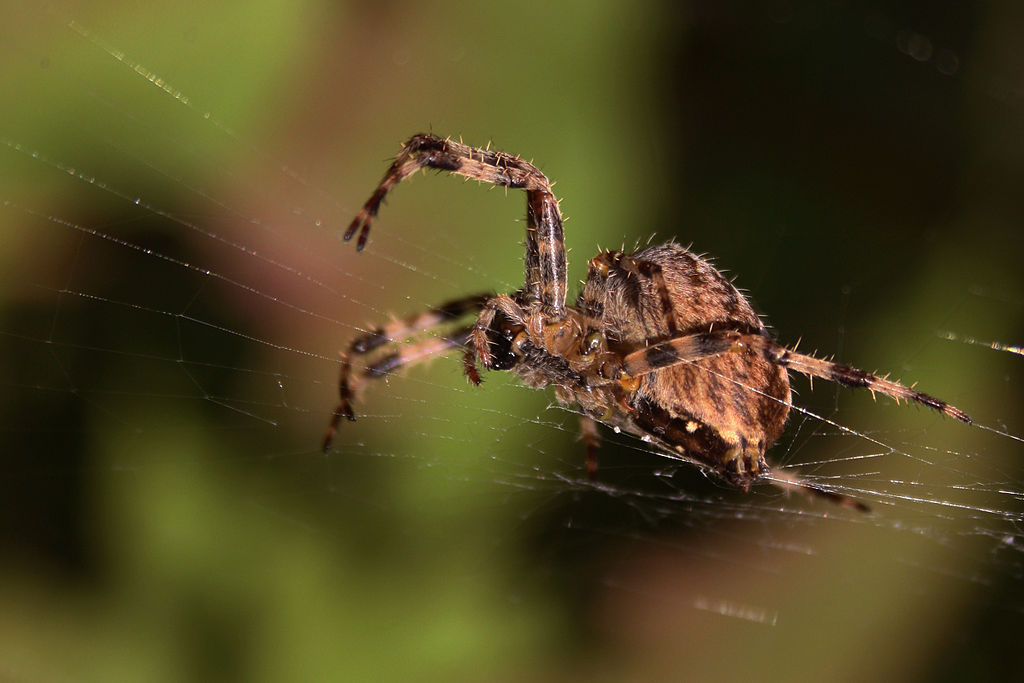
(174, 293)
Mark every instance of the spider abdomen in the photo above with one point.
(724, 410)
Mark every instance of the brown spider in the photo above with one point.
(659, 343)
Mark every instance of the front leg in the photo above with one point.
(396, 332)
(351, 384)
(546, 272)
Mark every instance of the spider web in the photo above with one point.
(177, 292)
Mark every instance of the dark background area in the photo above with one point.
(175, 293)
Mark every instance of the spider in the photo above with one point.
(659, 343)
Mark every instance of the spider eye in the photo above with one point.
(592, 342)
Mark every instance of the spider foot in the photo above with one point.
(343, 410)
(361, 223)
(469, 367)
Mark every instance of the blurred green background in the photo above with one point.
(174, 295)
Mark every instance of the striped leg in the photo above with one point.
(398, 330)
(350, 384)
(696, 346)
(480, 346)
(591, 438)
(546, 278)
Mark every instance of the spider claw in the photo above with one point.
(364, 235)
(469, 368)
(352, 227)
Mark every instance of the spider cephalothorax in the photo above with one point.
(659, 344)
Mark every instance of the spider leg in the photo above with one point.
(683, 349)
(853, 377)
(546, 272)
(420, 322)
(480, 345)
(591, 438)
(396, 331)
(696, 346)
(350, 385)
